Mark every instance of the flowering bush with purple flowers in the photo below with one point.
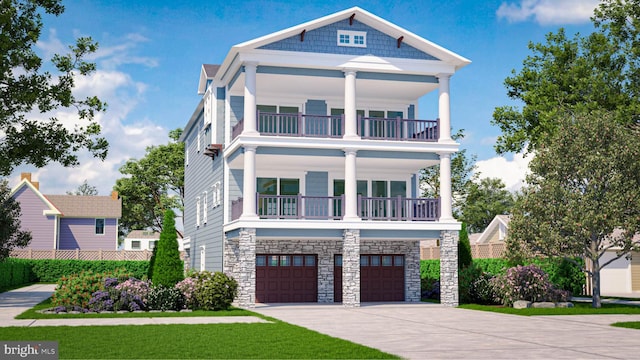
(75, 291)
(136, 288)
(188, 288)
(118, 296)
(526, 283)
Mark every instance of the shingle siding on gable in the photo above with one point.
(324, 40)
(80, 233)
(32, 219)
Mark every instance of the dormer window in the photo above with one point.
(352, 38)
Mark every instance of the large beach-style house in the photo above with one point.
(302, 163)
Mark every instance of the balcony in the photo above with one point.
(332, 208)
(332, 126)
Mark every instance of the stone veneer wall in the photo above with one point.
(325, 249)
(449, 268)
(240, 263)
(351, 268)
(411, 251)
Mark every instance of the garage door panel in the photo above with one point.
(382, 278)
(288, 278)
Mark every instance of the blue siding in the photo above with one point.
(324, 40)
(396, 155)
(316, 184)
(237, 109)
(236, 179)
(299, 152)
(320, 125)
(411, 112)
(414, 186)
(397, 235)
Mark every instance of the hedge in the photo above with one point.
(562, 273)
(15, 272)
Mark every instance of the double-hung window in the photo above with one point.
(99, 226)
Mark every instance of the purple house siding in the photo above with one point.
(79, 233)
(42, 227)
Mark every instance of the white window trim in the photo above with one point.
(216, 197)
(352, 34)
(197, 211)
(199, 140)
(202, 257)
(204, 207)
(139, 247)
(186, 153)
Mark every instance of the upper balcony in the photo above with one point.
(332, 126)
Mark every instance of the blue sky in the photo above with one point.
(151, 52)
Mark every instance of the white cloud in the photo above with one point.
(511, 171)
(548, 12)
(128, 137)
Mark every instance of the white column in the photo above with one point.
(350, 186)
(250, 122)
(249, 184)
(350, 113)
(446, 213)
(444, 107)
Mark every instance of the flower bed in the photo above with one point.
(121, 294)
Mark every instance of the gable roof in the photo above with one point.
(362, 16)
(87, 206)
(207, 72)
(53, 210)
(493, 225)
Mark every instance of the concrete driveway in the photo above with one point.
(430, 331)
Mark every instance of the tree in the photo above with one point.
(11, 235)
(84, 189)
(465, 257)
(462, 176)
(583, 195)
(563, 75)
(152, 185)
(168, 269)
(25, 89)
(484, 201)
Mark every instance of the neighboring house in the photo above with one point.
(302, 163)
(495, 232)
(146, 240)
(67, 222)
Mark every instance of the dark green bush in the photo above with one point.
(215, 291)
(165, 298)
(15, 272)
(430, 288)
(466, 277)
(492, 266)
(465, 258)
(168, 269)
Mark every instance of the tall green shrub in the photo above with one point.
(168, 269)
(464, 249)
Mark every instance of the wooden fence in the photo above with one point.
(478, 251)
(84, 254)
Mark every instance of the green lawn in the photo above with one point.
(275, 340)
(579, 309)
(33, 314)
(628, 324)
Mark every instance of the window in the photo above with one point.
(152, 244)
(135, 245)
(216, 197)
(99, 226)
(198, 211)
(352, 38)
(261, 260)
(270, 188)
(204, 207)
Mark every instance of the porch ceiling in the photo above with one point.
(317, 87)
(366, 166)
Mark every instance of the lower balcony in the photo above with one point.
(332, 208)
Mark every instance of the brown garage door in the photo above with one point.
(286, 278)
(381, 278)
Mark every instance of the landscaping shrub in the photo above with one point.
(526, 283)
(168, 269)
(165, 298)
(465, 258)
(482, 290)
(563, 273)
(51, 270)
(129, 295)
(430, 288)
(188, 288)
(492, 266)
(466, 277)
(15, 272)
(75, 291)
(215, 291)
